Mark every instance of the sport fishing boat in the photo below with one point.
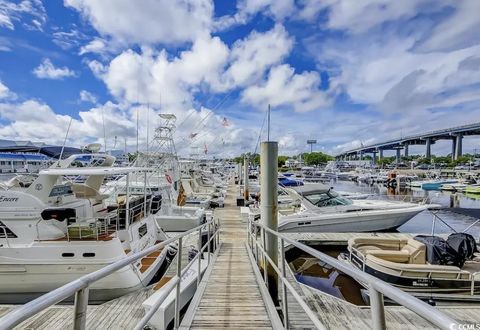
(426, 266)
(324, 210)
(54, 231)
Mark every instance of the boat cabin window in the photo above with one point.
(329, 198)
(142, 230)
(5, 232)
(68, 254)
(89, 255)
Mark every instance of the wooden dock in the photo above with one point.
(232, 297)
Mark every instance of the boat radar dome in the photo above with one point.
(93, 147)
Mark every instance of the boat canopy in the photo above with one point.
(309, 189)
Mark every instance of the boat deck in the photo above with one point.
(231, 298)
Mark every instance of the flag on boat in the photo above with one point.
(225, 122)
(192, 135)
(206, 149)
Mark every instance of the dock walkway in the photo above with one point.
(232, 297)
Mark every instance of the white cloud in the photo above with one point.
(46, 70)
(457, 31)
(86, 96)
(67, 40)
(247, 9)
(154, 77)
(11, 12)
(97, 45)
(250, 57)
(357, 17)
(148, 21)
(285, 88)
(4, 91)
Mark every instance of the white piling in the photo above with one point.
(269, 204)
(245, 178)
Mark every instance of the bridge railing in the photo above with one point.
(80, 286)
(415, 137)
(376, 287)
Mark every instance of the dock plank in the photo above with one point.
(232, 298)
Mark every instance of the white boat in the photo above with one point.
(323, 210)
(353, 195)
(53, 232)
(166, 312)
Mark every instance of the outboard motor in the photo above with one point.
(439, 252)
(464, 244)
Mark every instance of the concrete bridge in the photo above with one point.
(455, 134)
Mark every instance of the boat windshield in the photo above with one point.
(329, 198)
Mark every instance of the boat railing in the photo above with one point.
(376, 287)
(360, 259)
(472, 283)
(5, 234)
(80, 287)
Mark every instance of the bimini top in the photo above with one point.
(94, 170)
(308, 189)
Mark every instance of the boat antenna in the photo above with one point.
(148, 131)
(137, 131)
(64, 142)
(268, 124)
(104, 133)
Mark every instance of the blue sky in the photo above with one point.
(342, 72)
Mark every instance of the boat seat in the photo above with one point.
(393, 256)
(417, 251)
(416, 270)
(391, 249)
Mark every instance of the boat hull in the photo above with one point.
(364, 221)
(458, 289)
(20, 283)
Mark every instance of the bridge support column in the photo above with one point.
(398, 157)
(374, 157)
(405, 152)
(361, 155)
(458, 146)
(380, 151)
(428, 152)
(454, 144)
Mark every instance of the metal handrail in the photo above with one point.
(377, 288)
(80, 286)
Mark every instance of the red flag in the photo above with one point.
(225, 122)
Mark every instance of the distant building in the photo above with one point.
(23, 162)
(294, 163)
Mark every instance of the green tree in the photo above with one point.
(282, 160)
(316, 158)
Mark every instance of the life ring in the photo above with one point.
(169, 178)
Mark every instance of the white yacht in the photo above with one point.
(323, 210)
(53, 232)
